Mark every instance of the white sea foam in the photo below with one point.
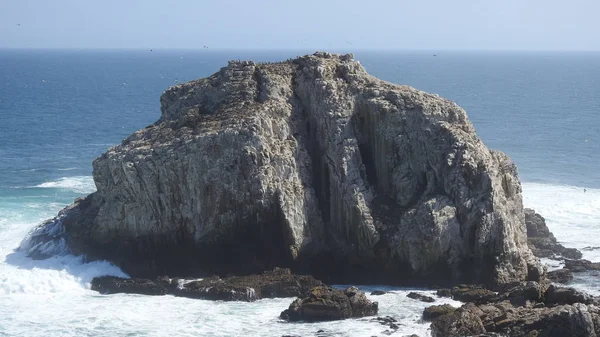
(571, 214)
(78, 184)
(52, 297)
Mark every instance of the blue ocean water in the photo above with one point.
(60, 109)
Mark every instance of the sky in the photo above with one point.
(304, 24)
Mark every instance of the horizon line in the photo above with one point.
(333, 49)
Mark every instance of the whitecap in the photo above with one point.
(78, 184)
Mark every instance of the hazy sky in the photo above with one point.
(303, 24)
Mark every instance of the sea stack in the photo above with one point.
(311, 164)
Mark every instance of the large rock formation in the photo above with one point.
(311, 164)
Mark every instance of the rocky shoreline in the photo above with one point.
(518, 309)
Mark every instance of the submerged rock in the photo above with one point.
(420, 297)
(115, 285)
(326, 304)
(378, 293)
(542, 242)
(276, 283)
(311, 164)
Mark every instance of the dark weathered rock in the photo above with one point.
(565, 313)
(581, 265)
(276, 283)
(114, 285)
(311, 164)
(361, 305)
(420, 297)
(326, 303)
(475, 294)
(435, 311)
(563, 275)
(459, 323)
(542, 242)
(563, 295)
(444, 293)
(378, 293)
(522, 293)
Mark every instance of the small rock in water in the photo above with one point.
(582, 265)
(389, 322)
(563, 275)
(420, 297)
(325, 303)
(443, 293)
(378, 292)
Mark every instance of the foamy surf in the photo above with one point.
(572, 214)
(78, 184)
(52, 297)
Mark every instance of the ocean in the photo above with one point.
(59, 109)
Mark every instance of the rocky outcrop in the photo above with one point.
(311, 164)
(420, 297)
(542, 242)
(581, 265)
(271, 284)
(562, 275)
(526, 309)
(326, 304)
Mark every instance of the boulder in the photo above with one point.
(458, 323)
(444, 293)
(563, 275)
(311, 164)
(471, 293)
(581, 265)
(326, 303)
(420, 297)
(563, 295)
(435, 311)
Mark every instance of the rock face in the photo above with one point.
(542, 242)
(276, 283)
(326, 304)
(311, 164)
(526, 309)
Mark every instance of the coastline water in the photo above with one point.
(61, 109)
